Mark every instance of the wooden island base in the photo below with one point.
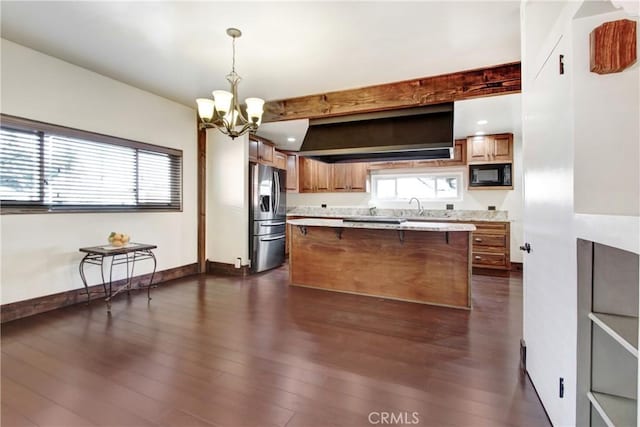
(429, 267)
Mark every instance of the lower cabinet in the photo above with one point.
(491, 246)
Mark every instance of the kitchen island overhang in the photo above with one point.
(423, 262)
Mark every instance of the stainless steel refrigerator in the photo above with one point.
(267, 216)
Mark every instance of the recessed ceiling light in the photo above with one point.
(480, 132)
(291, 139)
(482, 122)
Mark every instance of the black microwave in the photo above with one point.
(490, 175)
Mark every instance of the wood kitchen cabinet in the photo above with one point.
(253, 150)
(314, 176)
(459, 157)
(349, 177)
(280, 159)
(292, 172)
(264, 152)
(490, 148)
(491, 248)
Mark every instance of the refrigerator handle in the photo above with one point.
(276, 190)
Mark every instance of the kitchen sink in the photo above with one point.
(376, 219)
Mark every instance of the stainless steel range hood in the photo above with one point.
(407, 134)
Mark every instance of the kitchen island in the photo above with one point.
(422, 262)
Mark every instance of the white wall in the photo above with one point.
(607, 147)
(507, 200)
(39, 254)
(573, 125)
(227, 198)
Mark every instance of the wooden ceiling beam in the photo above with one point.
(496, 80)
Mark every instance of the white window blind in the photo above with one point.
(20, 168)
(66, 169)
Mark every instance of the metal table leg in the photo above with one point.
(153, 257)
(84, 278)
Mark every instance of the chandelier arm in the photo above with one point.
(245, 128)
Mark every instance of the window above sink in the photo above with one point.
(401, 187)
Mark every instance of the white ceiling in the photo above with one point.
(502, 113)
(179, 50)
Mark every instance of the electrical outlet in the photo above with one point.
(449, 206)
(561, 387)
(324, 205)
(492, 208)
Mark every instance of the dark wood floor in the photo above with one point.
(231, 352)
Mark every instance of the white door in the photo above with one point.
(549, 269)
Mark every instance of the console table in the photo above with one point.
(128, 254)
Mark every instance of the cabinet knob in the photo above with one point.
(477, 257)
(477, 239)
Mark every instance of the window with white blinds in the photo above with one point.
(50, 168)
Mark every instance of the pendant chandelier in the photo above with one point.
(223, 111)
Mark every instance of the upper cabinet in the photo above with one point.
(253, 149)
(292, 172)
(490, 148)
(319, 177)
(264, 152)
(349, 177)
(279, 159)
(315, 176)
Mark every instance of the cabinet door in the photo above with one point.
(306, 174)
(322, 176)
(477, 150)
(292, 172)
(502, 148)
(341, 177)
(280, 160)
(358, 176)
(265, 153)
(253, 150)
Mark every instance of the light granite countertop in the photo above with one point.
(411, 214)
(408, 225)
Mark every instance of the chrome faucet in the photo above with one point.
(372, 210)
(420, 210)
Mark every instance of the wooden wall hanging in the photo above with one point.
(613, 46)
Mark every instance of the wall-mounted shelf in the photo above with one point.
(615, 411)
(623, 329)
(608, 291)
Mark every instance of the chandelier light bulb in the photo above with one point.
(205, 108)
(222, 100)
(255, 107)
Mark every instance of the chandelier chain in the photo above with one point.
(233, 62)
